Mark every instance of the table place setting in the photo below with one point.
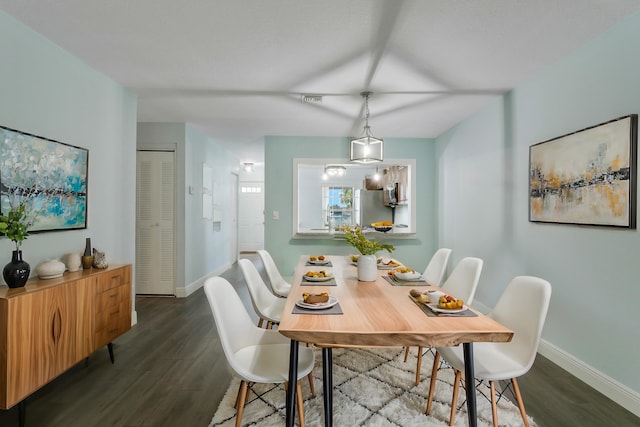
(317, 278)
(404, 276)
(321, 303)
(383, 263)
(318, 261)
(430, 305)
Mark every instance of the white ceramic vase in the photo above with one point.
(367, 268)
(72, 260)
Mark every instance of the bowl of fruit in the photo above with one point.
(382, 226)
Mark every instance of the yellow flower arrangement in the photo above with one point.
(355, 237)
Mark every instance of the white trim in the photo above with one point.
(194, 286)
(614, 390)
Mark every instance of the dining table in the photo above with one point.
(373, 314)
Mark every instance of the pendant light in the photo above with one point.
(367, 148)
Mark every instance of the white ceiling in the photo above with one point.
(236, 69)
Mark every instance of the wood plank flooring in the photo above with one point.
(170, 371)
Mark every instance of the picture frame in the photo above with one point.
(49, 176)
(588, 177)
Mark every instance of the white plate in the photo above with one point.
(317, 279)
(408, 276)
(319, 306)
(318, 262)
(437, 309)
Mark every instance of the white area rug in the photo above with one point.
(372, 387)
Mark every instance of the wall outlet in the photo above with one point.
(276, 215)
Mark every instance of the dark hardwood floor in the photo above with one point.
(170, 371)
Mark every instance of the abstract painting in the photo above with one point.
(587, 177)
(50, 177)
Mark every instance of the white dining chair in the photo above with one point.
(433, 274)
(279, 286)
(462, 284)
(255, 354)
(267, 306)
(522, 307)
(437, 267)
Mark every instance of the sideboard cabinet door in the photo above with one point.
(41, 338)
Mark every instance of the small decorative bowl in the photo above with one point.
(50, 269)
(383, 229)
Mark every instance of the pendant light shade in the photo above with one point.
(367, 148)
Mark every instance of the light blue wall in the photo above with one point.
(483, 184)
(279, 154)
(208, 245)
(47, 92)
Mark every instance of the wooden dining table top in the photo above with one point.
(378, 314)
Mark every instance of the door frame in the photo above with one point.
(235, 194)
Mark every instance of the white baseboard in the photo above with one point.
(619, 393)
(194, 286)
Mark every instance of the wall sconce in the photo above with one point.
(247, 167)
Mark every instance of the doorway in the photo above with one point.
(251, 216)
(155, 222)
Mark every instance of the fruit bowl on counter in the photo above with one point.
(383, 226)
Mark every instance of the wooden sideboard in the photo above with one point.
(48, 326)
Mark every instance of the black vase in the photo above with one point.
(16, 273)
(87, 247)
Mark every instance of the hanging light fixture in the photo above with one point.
(367, 148)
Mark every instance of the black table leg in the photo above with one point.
(327, 385)
(291, 389)
(21, 413)
(470, 384)
(110, 348)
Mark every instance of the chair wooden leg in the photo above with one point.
(494, 405)
(242, 384)
(454, 398)
(406, 353)
(311, 385)
(419, 365)
(260, 323)
(432, 383)
(242, 397)
(300, 403)
(516, 391)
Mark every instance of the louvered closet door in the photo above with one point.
(155, 233)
